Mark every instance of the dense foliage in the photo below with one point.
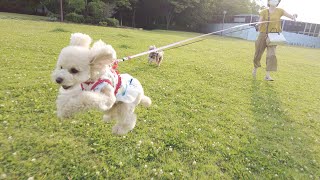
(173, 14)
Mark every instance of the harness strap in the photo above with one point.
(99, 82)
(102, 81)
(118, 85)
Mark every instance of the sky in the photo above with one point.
(307, 10)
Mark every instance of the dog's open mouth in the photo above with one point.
(66, 87)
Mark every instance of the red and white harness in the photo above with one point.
(127, 88)
(91, 86)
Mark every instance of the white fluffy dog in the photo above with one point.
(88, 81)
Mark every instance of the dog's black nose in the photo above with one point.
(59, 80)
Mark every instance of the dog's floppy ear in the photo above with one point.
(79, 39)
(102, 53)
(152, 47)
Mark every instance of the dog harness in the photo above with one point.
(109, 78)
(126, 87)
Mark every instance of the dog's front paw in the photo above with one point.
(104, 107)
(107, 118)
(119, 130)
(109, 98)
(106, 104)
(111, 102)
(62, 114)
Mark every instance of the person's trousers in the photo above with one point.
(261, 45)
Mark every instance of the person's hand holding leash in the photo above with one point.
(295, 16)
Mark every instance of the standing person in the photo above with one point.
(260, 46)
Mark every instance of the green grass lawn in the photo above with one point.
(4, 15)
(209, 118)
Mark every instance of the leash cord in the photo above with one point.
(185, 44)
(190, 39)
(205, 39)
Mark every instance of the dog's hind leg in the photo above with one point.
(150, 60)
(160, 60)
(126, 119)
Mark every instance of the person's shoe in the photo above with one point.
(254, 72)
(268, 78)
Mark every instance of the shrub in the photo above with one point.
(112, 22)
(53, 17)
(91, 20)
(59, 30)
(73, 17)
(103, 23)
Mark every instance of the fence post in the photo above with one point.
(224, 15)
(283, 23)
(314, 32)
(310, 29)
(305, 28)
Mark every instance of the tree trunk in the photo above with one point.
(134, 17)
(169, 18)
(61, 11)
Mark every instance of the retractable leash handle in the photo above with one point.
(186, 40)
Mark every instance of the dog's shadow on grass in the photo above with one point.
(272, 127)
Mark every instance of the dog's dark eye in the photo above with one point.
(61, 67)
(74, 71)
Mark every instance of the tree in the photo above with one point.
(52, 5)
(19, 6)
(61, 10)
(173, 7)
(188, 14)
(255, 8)
(100, 10)
(234, 7)
(126, 7)
(76, 6)
(134, 10)
(194, 16)
(167, 9)
(122, 6)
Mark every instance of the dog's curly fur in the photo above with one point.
(156, 56)
(78, 63)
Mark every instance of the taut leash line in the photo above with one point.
(186, 40)
(186, 44)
